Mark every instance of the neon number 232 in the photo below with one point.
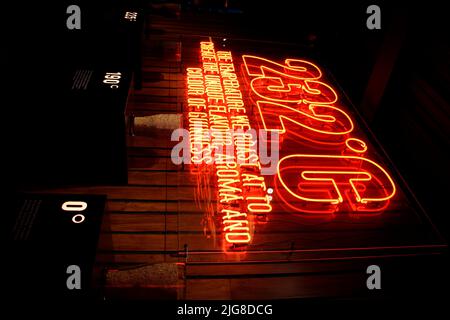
(291, 96)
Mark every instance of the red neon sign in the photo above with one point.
(325, 182)
(330, 169)
(216, 113)
(293, 99)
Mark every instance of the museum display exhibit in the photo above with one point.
(226, 150)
